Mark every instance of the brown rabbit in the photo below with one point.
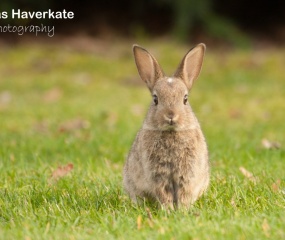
(168, 161)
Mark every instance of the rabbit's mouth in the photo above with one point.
(171, 122)
(169, 125)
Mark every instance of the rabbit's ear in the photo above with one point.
(191, 65)
(148, 68)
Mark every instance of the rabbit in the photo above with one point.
(168, 161)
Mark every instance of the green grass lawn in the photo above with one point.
(61, 104)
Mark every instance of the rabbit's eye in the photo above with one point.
(155, 100)
(185, 99)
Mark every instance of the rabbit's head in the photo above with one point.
(170, 109)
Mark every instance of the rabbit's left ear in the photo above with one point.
(191, 65)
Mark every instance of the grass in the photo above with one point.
(60, 105)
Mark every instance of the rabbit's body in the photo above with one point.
(168, 161)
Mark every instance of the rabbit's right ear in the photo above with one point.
(148, 68)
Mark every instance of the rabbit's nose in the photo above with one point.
(170, 115)
(171, 118)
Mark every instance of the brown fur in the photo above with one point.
(169, 159)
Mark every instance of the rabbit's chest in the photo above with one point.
(171, 155)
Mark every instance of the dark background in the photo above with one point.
(232, 22)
